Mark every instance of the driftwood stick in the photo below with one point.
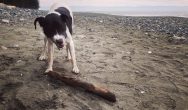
(102, 92)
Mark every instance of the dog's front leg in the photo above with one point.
(50, 56)
(68, 57)
(72, 52)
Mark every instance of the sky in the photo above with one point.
(125, 7)
(46, 3)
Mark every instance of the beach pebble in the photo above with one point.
(4, 48)
(178, 40)
(114, 37)
(15, 46)
(81, 36)
(19, 61)
(6, 13)
(142, 92)
(91, 30)
(136, 72)
(139, 27)
(22, 19)
(149, 52)
(5, 20)
(128, 52)
(101, 21)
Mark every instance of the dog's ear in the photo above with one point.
(41, 21)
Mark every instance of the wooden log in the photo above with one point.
(102, 92)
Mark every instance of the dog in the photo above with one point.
(57, 27)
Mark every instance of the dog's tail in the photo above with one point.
(41, 21)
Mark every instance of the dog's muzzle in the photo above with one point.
(59, 43)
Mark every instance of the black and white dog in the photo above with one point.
(57, 27)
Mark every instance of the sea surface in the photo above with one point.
(178, 11)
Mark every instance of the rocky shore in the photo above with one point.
(169, 25)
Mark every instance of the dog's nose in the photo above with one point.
(59, 43)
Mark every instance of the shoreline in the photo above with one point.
(135, 14)
(127, 15)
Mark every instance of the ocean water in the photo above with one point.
(180, 11)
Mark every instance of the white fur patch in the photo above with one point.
(57, 37)
(55, 13)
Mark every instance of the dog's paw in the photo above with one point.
(75, 70)
(48, 70)
(42, 57)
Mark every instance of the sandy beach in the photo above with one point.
(142, 60)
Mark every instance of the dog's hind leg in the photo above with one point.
(44, 51)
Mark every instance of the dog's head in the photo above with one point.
(54, 27)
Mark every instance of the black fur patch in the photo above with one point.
(53, 24)
(65, 16)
